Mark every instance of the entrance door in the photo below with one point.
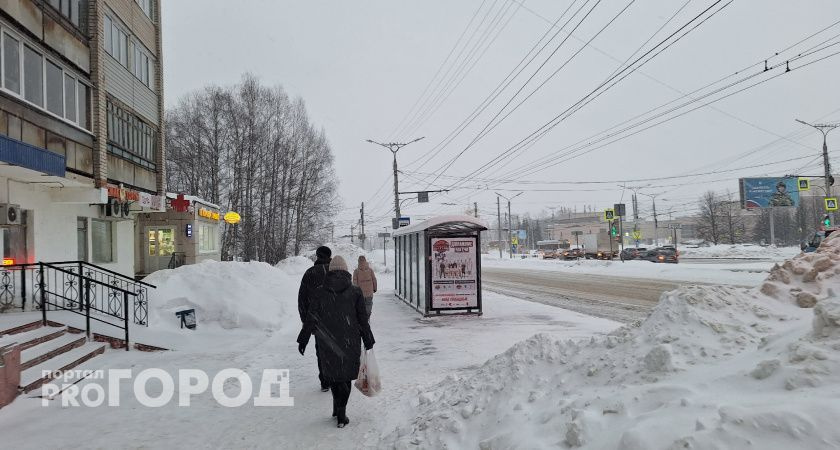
(160, 244)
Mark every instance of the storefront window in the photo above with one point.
(207, 238)
(103, 242)
(166, 241)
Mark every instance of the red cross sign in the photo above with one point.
(180, 204)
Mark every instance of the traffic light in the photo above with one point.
(827, 221)
(613, 230)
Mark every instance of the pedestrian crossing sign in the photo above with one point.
(609, 214)
(804, 184)
(831, 204)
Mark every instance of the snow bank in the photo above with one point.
(808, 277)
(231, 294)
(739, 251)
(712, 367)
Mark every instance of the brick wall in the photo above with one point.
(9, 373)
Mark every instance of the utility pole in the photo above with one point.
(362, 222)
(499, 216)
(352, 230)
(394, 147)
(825, 128)
(510, 228)
(655, 219)
(475, 209)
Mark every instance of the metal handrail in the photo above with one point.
(85, 263)
(84, 301)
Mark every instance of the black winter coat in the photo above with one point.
(339, 319)
(313, 278)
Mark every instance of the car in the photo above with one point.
(572, 253)
(814, 243)
(663, 255)
(631, 253)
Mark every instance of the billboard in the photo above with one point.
(454, 273)
(769, 192)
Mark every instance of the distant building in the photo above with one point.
(81, 120)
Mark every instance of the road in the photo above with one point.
(616, 298)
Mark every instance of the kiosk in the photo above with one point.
(438, 265)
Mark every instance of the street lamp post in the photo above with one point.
(825, 128)
(394, 147)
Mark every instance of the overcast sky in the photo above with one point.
(361, 66)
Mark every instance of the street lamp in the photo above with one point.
(825, 128)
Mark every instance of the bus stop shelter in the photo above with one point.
(438, 265)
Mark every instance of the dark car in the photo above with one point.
(572, 253)
(663, 255)
(632, 253)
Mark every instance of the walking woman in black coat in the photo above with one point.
(338, 317)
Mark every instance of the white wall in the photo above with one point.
(52, 227)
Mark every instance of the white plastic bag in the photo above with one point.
(368, 381)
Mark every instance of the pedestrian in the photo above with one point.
(365, 279)
(338, 319)
(313, 278)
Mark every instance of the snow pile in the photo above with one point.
(808, 277)
(739, 251)
(232, 294)
(712, 367)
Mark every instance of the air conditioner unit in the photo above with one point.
(126, 209)
(113, 208)
(10, 214)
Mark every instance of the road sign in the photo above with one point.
(804, 184)
(620, 209)
(422, 197)
(831, 204)
(384, 235)
(637, 234)
(405, 221)
(609, 214)
(675, 226)
(577, 233)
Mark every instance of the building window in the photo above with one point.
(208, 241)
(11, 57)
(66, 95)
(33, 76)
(116, 42)
(146, 6)
(130, 137)
(70, 97)
(73, 10)
(55, 89)
(102, 238)
(142, 65)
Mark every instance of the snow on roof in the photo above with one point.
(464, 222)
(192, 199)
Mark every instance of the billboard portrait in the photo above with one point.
(454, 273)
(769, 192)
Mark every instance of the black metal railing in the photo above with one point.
(177, 260)
(74, 286)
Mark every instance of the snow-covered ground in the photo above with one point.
(712, 367)
(739, 251)
(247, 319)
(741, 273)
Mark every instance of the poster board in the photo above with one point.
(454, 272)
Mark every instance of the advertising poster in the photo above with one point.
(454, 273)
(769, 192)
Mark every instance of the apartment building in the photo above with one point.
(81, 120)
